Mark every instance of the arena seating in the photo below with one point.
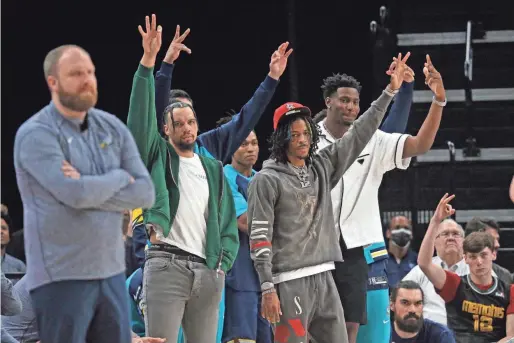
(479, 171)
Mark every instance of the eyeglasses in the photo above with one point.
(446, 234)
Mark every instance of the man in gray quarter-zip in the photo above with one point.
(78, 168)
(293, 241)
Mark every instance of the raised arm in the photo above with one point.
(162, 91)
(141, 192)
(163, 76)
(340, 155)
(398, 117)
(37, 152)
(422, 142)
(141, 120)
(223, 141)
(434, 272)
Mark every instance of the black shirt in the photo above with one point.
(431, 332)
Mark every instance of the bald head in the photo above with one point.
(51, 63)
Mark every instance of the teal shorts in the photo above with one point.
(378, 328)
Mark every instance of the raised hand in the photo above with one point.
(279, 61)
(152, 38)
(177, 46)
(408, 75)
(398, 74)
(434, 80)
(444, 209)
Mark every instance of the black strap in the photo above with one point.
(178, 253)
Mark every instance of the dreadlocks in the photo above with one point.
(280, 138)
(336, 81)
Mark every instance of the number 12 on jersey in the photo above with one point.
(482, 323)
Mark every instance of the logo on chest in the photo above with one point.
(363, 158)
(306, 204)
(197, 175)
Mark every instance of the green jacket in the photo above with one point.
(162, 161)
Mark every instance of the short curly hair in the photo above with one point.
(332, 83)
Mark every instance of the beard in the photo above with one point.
(185, 146)
(78, 102)
(407, 325)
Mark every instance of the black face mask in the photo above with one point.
(401, 237)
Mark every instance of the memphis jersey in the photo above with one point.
(477, 315)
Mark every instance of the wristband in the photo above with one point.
(268, 291)
(267, 285)
(390, 92)
(439, 103)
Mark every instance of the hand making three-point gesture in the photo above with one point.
(152, 40)
(398, 74)
(177, 46)
(434, 80)
(279, 61)
(444, 209)
(408, 75)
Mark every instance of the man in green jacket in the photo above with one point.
(192, 226)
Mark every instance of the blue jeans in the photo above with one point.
(95, 311)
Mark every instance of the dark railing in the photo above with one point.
(471, 148)
(451, 186)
